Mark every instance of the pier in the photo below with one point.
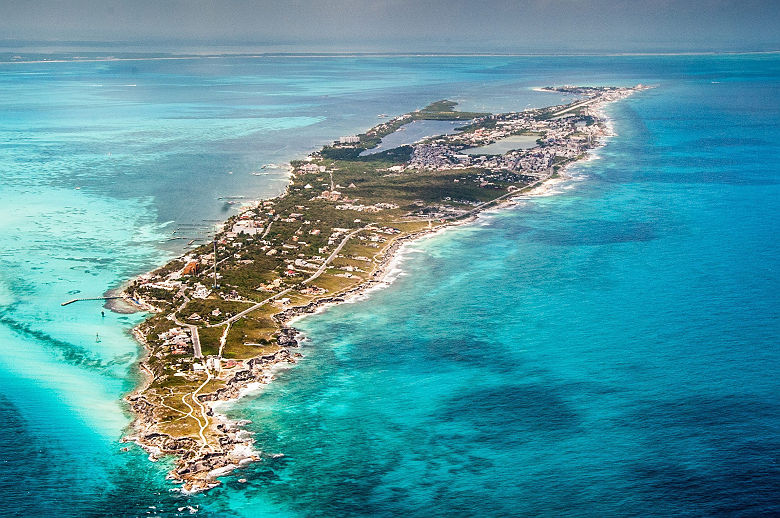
(71, 301)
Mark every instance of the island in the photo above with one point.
(222, 313)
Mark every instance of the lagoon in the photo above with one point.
(505, 145)
(414, 131)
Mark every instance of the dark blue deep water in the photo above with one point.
(608, 350)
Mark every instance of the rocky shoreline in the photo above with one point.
(196, 469)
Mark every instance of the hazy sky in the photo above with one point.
(401, 25)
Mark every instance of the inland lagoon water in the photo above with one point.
(414, 131)
(505, 145)
(609, 350)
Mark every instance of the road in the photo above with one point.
(223, 340)
(197, 353)
(516, 192)
(250, 309)
(332, 256)
(288, 290)
(191, 413)
(194, 396)
(205, 424)
(268, 228)
(195, 341)
(324, 266)
(580, 105)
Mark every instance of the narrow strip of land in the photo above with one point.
(575, 107)
(342, 211)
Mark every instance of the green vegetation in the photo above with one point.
(445, 110)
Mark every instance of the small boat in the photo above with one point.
(97, 338)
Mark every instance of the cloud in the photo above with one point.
(405, 24)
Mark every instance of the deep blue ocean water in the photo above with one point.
(609, 350)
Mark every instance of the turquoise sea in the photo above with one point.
(609, 350)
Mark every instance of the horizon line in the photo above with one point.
(346, 54)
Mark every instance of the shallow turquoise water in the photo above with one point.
(610, 350)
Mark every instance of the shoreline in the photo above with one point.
(194, 472)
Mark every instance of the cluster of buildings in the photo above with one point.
(331, 196)
(337, 235)
(246, 226)
(211, 364)
(567, 134)
(314, 168)
(200, 291)
(566, 137)
(377, 207)
(177, 340)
